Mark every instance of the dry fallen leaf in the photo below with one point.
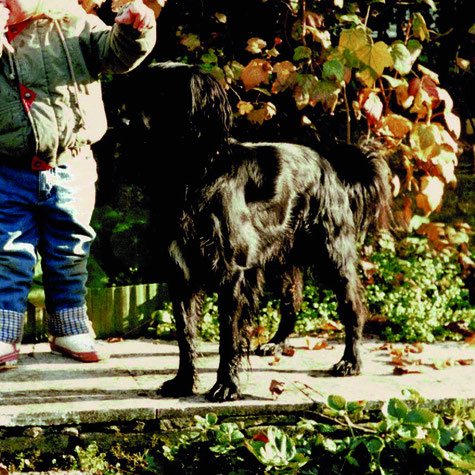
(276, 388)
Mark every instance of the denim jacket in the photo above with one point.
(50, 93)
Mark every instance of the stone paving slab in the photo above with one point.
(47, 389)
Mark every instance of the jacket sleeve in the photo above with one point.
(117, 49)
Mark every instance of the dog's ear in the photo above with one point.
(211, 113)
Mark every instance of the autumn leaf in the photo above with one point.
(401, 371)
(419, 27)
(326, 93)
(244, 107)
(259, 116)
(425, 140)
(286, 76)
(221, 17)
(304, 89)
(255, 45)
(190, 41)
(397, 125)
(431, 192)
(354, 39)
(444, 163)
(373, 108)
(376, 56)
(276, 388)
(256, 73)
(401, 57)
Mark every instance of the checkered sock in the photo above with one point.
(70, 321)
(11, 326)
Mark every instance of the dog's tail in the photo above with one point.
(365, 173)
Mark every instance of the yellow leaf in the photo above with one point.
(376, 56)
(425, 139)
(266, 112)
(419, 27)
(367, 77)
(221, 17)
(255, 45)
(445, 163)
(244, 107)
(453, 123)
(431, 192)
(427, 72)
(256, 73)
(354, 39)
(463, 64)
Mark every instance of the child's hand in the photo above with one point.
(138, 15)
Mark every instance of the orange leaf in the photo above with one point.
(286, 76)
(256, 73)
(276, 388)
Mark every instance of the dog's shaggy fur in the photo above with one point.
(233, 212)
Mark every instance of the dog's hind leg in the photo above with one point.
(352, 312)
(186, 309)
(291, 301)
(237, 303)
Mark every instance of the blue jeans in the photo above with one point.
(46, 212)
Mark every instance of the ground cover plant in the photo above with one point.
(403, 436)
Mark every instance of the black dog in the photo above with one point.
(230, 212)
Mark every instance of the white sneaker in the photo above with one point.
(79, 347)
(8, 354)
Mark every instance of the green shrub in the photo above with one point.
(418, 291)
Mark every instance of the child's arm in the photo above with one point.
(122, 47)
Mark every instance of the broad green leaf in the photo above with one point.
(397, 408)
(374, 445)
(419, 416)
(302, 52)
(333, 70)
(336, 402)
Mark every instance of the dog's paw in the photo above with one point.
(346, 368)
(177, 387)
(222, 392)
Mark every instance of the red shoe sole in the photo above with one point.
(10, 359)
(85, 357)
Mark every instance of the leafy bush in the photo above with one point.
(413, 292)
(418, 292)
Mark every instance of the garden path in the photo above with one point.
(47, 389)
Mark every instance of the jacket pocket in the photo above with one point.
(14, 129)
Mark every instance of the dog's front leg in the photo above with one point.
(186, 312)
(227, 387)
